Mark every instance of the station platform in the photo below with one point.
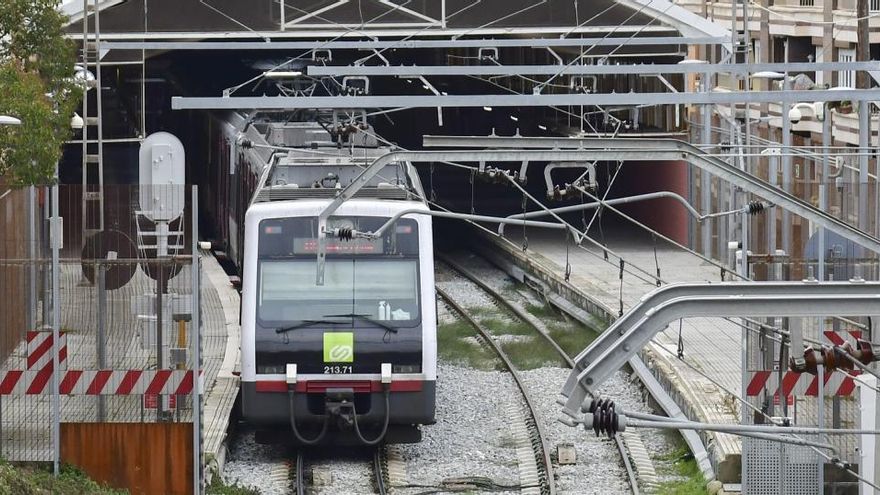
(701, 383)
(25, 420)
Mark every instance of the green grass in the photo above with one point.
(217, 487)
(572, 338)
(680, 463)
(38, 480)
(455, 344)
(544, 312)
(500, 327)
(527, 355)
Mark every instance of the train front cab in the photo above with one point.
(352, 361)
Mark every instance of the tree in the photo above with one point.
(36, 85)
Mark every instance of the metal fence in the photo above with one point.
(122, 324)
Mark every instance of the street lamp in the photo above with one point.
(76, 122)
(8, 120)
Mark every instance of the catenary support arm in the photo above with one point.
(657, 309)
(649, 149)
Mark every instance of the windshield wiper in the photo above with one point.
(305, 323)
(366, 318)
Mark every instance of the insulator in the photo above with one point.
(755, 207)
(345, 233)
(605, 421)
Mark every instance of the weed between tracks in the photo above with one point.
(680, 464)
(455, 344)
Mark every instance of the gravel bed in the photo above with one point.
(250, 464)
(598, 468)
(348, 476)
(467, 294)
(471, 436)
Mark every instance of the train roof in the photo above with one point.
(311, 159)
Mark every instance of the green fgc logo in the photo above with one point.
(339, 347)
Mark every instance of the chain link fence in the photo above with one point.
(128, 340)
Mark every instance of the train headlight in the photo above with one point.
(271, 370)
(407, 368)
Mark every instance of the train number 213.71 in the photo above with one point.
(337, 370)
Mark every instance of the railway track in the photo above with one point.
(519, 314)
(377, 464)
(538, 440)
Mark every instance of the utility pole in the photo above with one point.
(863, 53)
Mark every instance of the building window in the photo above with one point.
(874, 5)
(846, 78)
(809, 3)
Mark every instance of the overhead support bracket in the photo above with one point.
(584, 70)
(440, 157)
(508, 100)
(648, 149)
(630, 333)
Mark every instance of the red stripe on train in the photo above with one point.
(321, 386)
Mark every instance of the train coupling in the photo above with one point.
(339, 406)
(835, 358)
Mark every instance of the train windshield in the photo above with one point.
(377, 279)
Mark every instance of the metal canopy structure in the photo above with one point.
(496, 100)
(581, 70)
(415, 43)
(647, 149)
(656, 310)
(683, 20)
(224, 19)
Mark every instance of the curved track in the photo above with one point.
(542, 453)
(521, 315)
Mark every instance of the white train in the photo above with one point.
(352, 361)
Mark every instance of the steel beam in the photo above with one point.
(580, 70)
(608, 339)
(655, 311)
(497, 100)
(517, 218)
(411, 43)
(665, 149)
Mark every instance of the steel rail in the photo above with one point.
(506, 303)
(544, 455)
(621, 447)
(300, 487)
(377, 471)
(299, 474)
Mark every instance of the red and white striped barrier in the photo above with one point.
(39, 350)
(841, 337)
(793, 383)
(98, 382)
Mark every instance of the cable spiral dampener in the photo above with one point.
(755, 207)
(343, 233)
(602, 418)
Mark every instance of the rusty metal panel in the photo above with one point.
(143, 458)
